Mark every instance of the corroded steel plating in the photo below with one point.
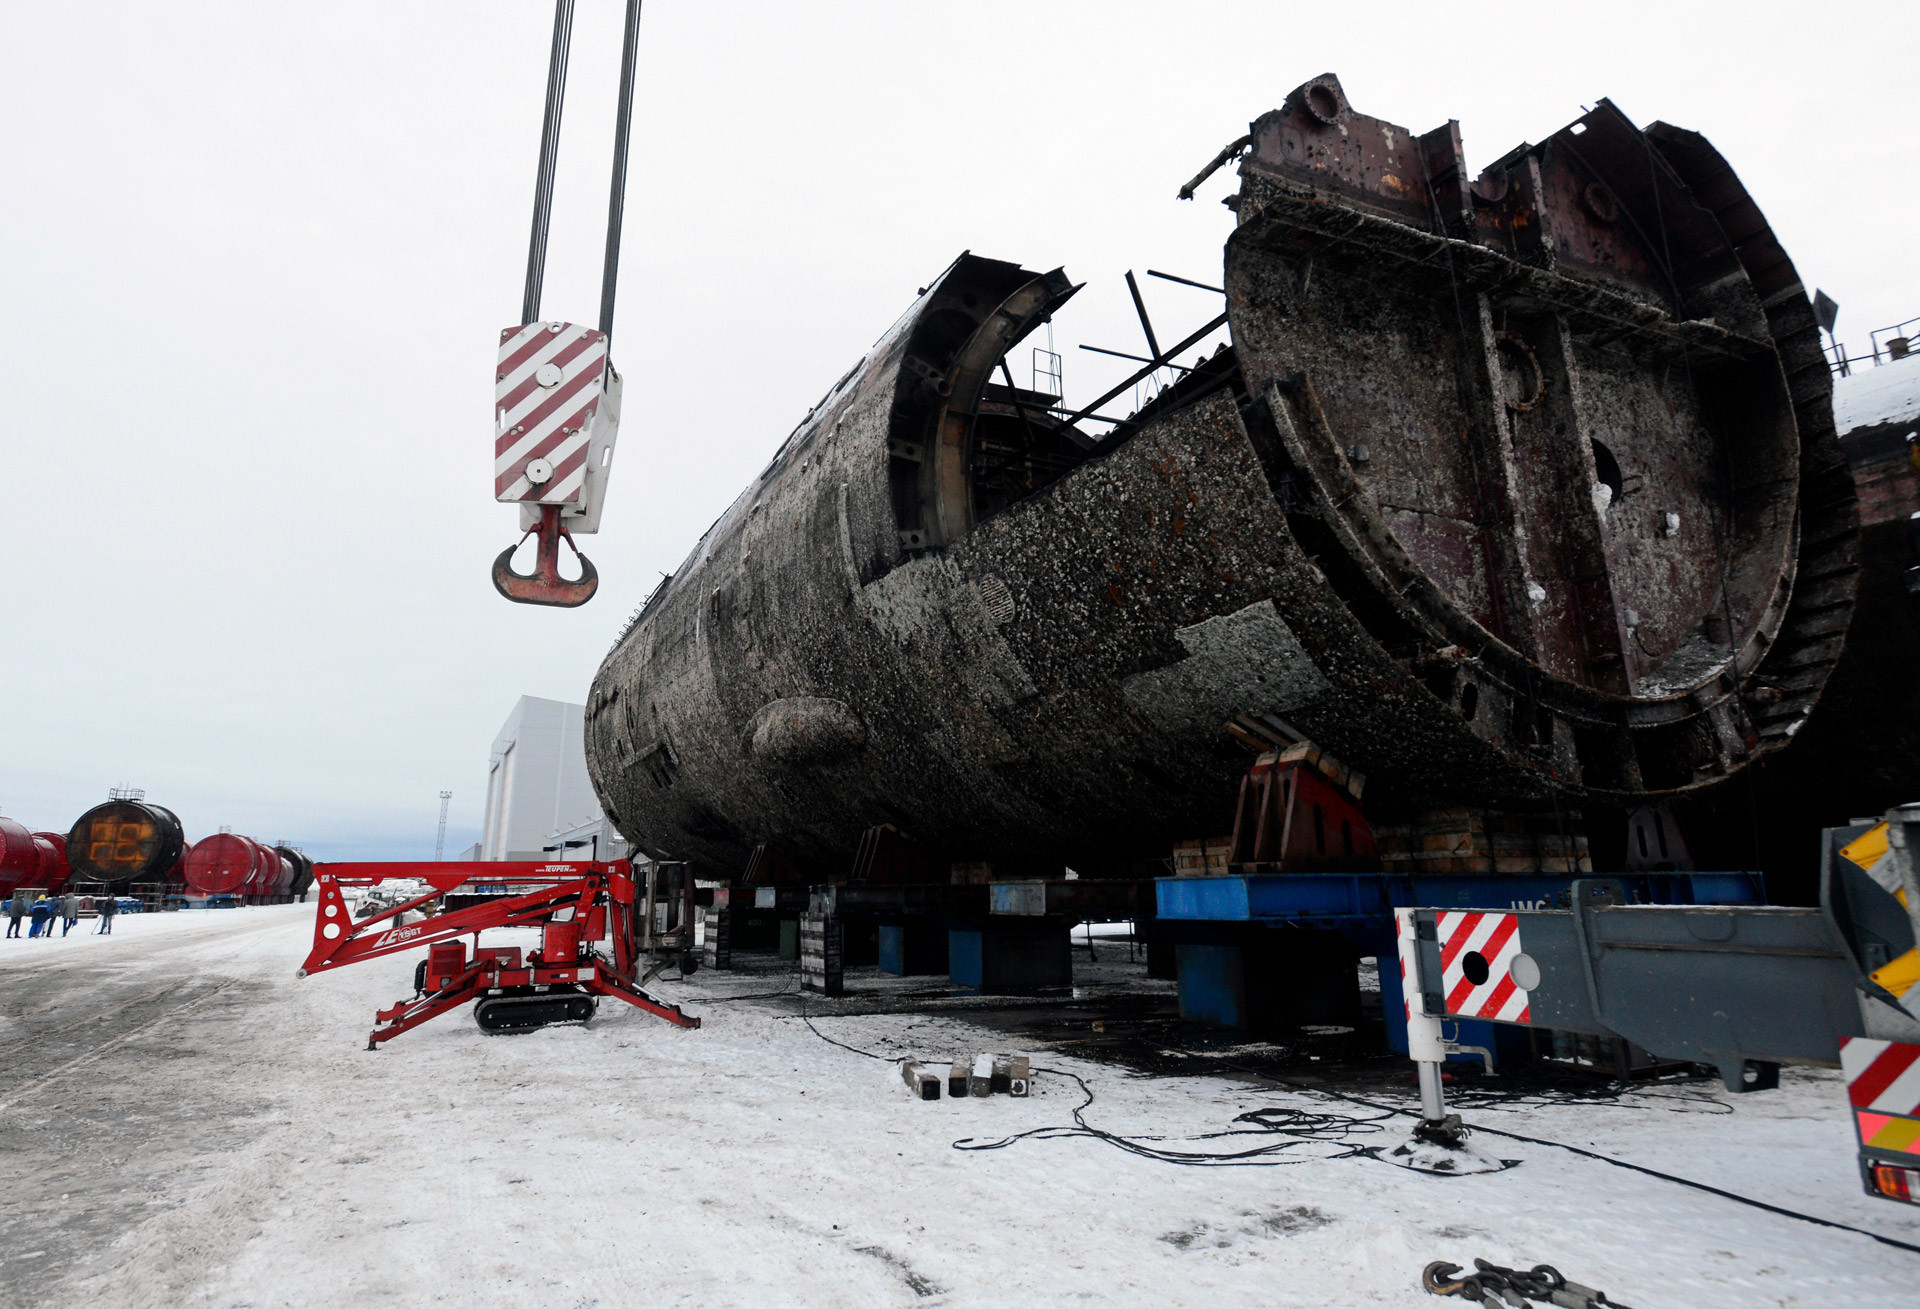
(1508, 488)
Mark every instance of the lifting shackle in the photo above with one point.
(557, 394)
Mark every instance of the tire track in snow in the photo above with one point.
(74, 984)
(114, 1043)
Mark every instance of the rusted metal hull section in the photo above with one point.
(1506, 489)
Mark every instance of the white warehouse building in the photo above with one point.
(540, 804)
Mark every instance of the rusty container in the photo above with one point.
(302, 869)
(124, 841)
(266, 870)
(1518, 490)
(227, 864)
(21, 858)
(283, 873)
(53, 860)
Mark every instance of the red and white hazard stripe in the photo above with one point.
(1493, 939)
(547, 391)
(1882, 1076)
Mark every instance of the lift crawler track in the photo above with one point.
(574, 905)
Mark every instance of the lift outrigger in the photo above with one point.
(576, 906)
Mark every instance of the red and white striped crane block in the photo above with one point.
(1476, 952)
(548, 389)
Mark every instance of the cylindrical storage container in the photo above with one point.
(54, 870)
(224, 864)
(273, 872)
(124, 841)
(266, 867)
(19, 857)
(282, 875)
(302, 869)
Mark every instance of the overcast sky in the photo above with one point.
(256, 258)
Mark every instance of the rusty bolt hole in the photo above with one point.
(1598, 201)
(1519, 347)
(1325, 104)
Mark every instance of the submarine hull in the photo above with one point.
(1516, 491)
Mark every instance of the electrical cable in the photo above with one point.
(1297, 1127)
(1302, 1128)
(759, 995)
(1702, 1186)
(886, 1058)
(1605, 1159)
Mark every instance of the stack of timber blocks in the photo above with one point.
(981, 1076)
(716, 947)
(1335, 772)
(1204, 857)
(1460, 840)
(821, 950)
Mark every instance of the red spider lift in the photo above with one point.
(573, 905)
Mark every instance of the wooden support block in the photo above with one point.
(1306, 750)
(1203, 857)
(716, 946)
(1019, 1076)
(821, 949)
(957, 1078)
(924, 1084)
(980, 1076)
(1247, 738)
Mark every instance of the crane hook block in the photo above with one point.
(556, 415)
(544, 585)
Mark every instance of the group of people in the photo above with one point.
(65, 910)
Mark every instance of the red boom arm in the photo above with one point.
(571, 902)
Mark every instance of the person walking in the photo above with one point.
(16, 910)
(42, 916)
(108, 907)
(69, 912)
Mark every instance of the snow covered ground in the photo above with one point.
(186, 1123)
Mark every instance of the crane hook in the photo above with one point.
(544, 585)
